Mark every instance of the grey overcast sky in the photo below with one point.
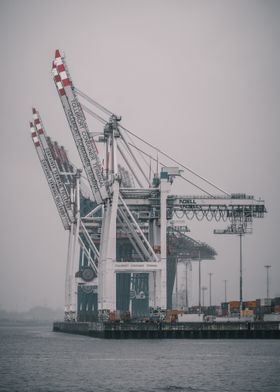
(200, 79)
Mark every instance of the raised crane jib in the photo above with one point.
(50, 179)
(79, 128)
(53, 165)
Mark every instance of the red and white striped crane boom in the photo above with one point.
(50, 179)
(53, 164)
(79, 128)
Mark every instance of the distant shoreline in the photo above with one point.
(14, 323)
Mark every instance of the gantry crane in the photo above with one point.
(64, 183)
(143, 213)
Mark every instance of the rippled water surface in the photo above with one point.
(33, 358)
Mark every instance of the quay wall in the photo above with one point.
(238, 330)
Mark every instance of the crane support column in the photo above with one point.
(166, 178)
(164, 190)
(106, 269)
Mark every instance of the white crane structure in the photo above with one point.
(64, 183)
(126, 201)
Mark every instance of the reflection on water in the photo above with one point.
(32, 358)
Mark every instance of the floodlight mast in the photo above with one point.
(240, 226)
(267, 267)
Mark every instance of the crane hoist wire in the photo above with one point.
(108, 112)
(164, 165)
(93, 114)
(142, 153)
(103, 121)
(93, 102)
(175, 161)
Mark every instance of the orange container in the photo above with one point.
(234, 304)
(277, 309)
(250, 304)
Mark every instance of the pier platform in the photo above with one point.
(197, 330)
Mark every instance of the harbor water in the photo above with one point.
(33, 358)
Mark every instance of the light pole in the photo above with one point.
(187, 296)
(203, 288)
(199, 281)
(210, 288)
(240, 227)
(176, 287)
(241, 292)
(225, 281)
(267, 280)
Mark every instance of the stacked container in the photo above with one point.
(234, 307)
(225, 308)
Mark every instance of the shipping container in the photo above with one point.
(212, 310)
(234, 314)
(234, 304)
(258, 311)
(250, 304)
(172, 315)
(266, 309)
(276, 308)
(247, 313)
(224, 312)
(184, 318)
(265, 301)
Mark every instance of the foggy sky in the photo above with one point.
(199, 79)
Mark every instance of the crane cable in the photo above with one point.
(93, 114)
(93, 102)
(96, 116)
(108, 112)
(174, 160)
(162, 164)
(131, 143)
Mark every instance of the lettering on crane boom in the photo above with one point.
(57, 178)
(87, 150)
(83, 154)
(187, 202)
(92, 152)
(56, 195)
(80, 145)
